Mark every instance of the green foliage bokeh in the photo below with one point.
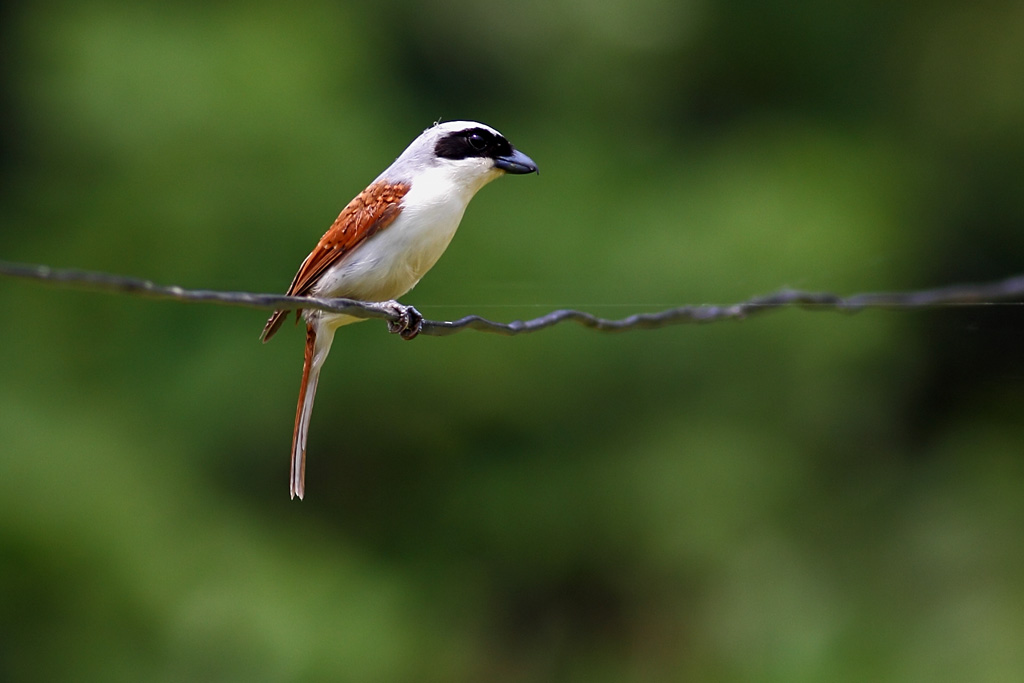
(795, 497)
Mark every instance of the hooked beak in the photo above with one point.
(516, 163)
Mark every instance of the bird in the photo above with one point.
(386, 239)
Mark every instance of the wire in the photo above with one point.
(1010, 290)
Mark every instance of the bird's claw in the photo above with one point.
(409, 323)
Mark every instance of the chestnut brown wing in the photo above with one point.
(373, 210)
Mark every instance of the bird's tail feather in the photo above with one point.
(314, 359)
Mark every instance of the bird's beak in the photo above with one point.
(516, 162)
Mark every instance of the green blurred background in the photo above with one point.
(797, 497)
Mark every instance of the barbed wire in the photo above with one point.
(1009, 290)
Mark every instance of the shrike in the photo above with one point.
(387, 238)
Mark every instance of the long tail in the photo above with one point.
(317, 348)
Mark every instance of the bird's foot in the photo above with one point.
(409, 323)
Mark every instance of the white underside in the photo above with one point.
(390, 263)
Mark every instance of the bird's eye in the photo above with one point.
(477, 141)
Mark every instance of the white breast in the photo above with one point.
(390, 263)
